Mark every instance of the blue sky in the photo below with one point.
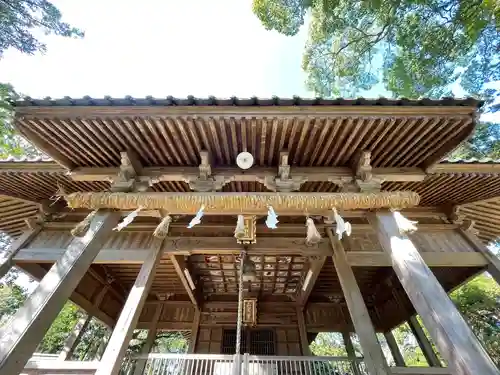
(160, 48)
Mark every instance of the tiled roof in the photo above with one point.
(243, 102)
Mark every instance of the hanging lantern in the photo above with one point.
(248, 270)
(312, 236)
(197, 219)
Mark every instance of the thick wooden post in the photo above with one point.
(374, 358)
(74, 337)
(493, 261)
(21, 335)
(7, 256)
(303, 333)
(394, 348)
(150, 340)
(194, 331)
(111, 361)
(455, 340)
(351, 353)
(424, 343)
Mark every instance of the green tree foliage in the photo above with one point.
(479, 302)
(19, 19)
(422, 46)
(19, 22)
(54, 339)
(484, 143)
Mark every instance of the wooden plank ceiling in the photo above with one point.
(316, 133)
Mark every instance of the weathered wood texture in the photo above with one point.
(7, 256)
(394, 348)
(20, 337)
(374, 358)
(454, 338)
(112, 359)
(485, 216)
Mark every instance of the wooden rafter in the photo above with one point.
(181, 267)
(316, 264)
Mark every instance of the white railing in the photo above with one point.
(212, 364)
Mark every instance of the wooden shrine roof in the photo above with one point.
(316, 132)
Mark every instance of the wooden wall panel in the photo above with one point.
(48, 238)
(443, 241)
(326, 317)
(88, 286)
(111, 305)
(366, 241)
(288, 341)
(209, 340)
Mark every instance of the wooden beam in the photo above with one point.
(276, 246)
(6, 257)
(373, 356)
(304, 344)
(150, 339)
(256, 174)
(180, 266)
(493, 262)
(486, 168)
(351, 353)
(74, 337)
(89, 307)
(194, 331)
(112, 359)
(424, 343)
(394, 348)
(455, 340)
(20, 337)
(315, 267)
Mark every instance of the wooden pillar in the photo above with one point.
(303, 333)
(351, 353)
(373, 356)
(493, 261)
(150, 339)
(74, 337)
(194, 331)
(424, 343)
(7, 256)
(455, 340)
(112, 359)
(394, 348)
(20, 337)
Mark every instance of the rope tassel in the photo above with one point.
(161, 230)
(313, 236)
(83, 226)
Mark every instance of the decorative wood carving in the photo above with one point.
(250, 312)
(248, 203)
(250, 234)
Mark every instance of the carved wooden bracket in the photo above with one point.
(283, 182)
(205, 182)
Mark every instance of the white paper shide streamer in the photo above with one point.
(342, 226)
(272, 218)
(404, 225)
(128, 219)
(239, 231)
(197, 219)
(312, 236)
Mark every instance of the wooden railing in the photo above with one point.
(201, 364)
